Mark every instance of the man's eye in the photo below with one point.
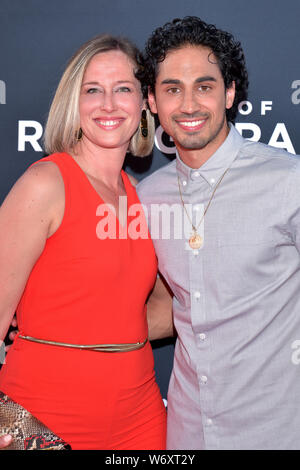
(173, 90)
(204, 88)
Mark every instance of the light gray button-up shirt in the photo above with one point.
(236, 377)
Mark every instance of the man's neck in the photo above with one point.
(195, 158)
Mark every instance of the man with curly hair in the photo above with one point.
(235, 273)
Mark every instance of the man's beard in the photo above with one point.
(194, 142)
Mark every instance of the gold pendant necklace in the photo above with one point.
(195, 240)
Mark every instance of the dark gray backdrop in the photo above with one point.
(37, 37)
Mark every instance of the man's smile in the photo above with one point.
(189, 125)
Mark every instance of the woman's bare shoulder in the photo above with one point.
(41, 180)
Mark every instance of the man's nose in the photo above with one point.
(189, 102)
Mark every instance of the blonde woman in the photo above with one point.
(94, 388)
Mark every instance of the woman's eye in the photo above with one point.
(92, 90)
(124, 89)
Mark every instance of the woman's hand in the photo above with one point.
(5, 441)
(13, 333)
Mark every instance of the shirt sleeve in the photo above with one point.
(292, 204)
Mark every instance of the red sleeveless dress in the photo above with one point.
(87, 290)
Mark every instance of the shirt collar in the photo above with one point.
(214, 167)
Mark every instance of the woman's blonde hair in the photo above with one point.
(63, 123)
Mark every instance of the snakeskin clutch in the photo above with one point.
(27, 431)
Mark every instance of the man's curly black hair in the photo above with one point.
(191, 30)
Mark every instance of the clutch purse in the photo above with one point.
(27, 431)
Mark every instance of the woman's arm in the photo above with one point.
(159, 311)
(159, 305)
(31, 212)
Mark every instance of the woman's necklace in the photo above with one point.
(195, 240)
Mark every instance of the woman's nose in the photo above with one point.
(109, 102)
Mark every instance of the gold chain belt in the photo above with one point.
(123, 347)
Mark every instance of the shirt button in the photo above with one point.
(197, 295)
(202, 336)
(196, 252)
(212, 180)
(196, 174)
(184, 183)
(209, 422)
(203, 379)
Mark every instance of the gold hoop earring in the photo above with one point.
(144, 124)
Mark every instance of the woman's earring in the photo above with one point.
(144, 124)
(79, 134)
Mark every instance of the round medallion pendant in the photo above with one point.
(195, 241)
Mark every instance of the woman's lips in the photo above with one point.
(109, 124)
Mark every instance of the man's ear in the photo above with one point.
(152, 101)
(230, 95)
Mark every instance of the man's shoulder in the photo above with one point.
(157, 180)
(270, 154)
